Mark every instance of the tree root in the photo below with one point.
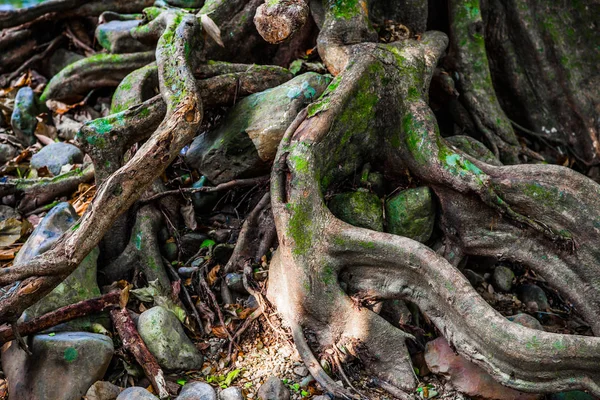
(317, 250)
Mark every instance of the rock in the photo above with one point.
(358, 208)
(304, 383)
(321, 398)
(7, 212)
(163, 334)
(301, 371)
(222, 253)
(534, 297)
(573, 395)
(246, 143)
(203, 202)
(235, 282)
(527, 321)
(170, 251)
(473, 277)
(503, 278)
(465, 376)
(474, 148)
(115, 37)
(231, 393)
(191, 242)
(273, 389)
(197, 391)
(7, 152)
(60, 59)
(63, 366)
(23, 119)
(55, 155)
(103, 390)
(411, 213)
(80, 285)
(136, 393)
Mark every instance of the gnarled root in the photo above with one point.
(317, 250)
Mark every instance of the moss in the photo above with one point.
(359, 208)
(328, 275)
(345, 9)
(299, 227)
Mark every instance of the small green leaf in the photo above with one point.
(52, 334)
(207, 243)
(304, 393)
(181, 381)
(296, 66)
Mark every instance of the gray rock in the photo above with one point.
(60, 59)
(358, 208)
(231, 393)
(55, 155)
(191, 242)
(115, 37)
(80, 285)
(534, 297)
(527, 321)
(63, 366)
(163, 334)
(203, 202)
(235, 282)
(304, 383)
(170, 250)
(7, 212)
(301, 371)
(102, 390)
(503, 278)
(7, 152)
(321, 398)
(136, 393)
(473, 277)
(273, 389)
(197, 391)
(411, 213)
(23, 119)
(246, 143)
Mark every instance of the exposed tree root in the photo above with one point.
(317, 250)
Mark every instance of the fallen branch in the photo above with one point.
(63, 314)
(133, 342)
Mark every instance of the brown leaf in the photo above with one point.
(211, 29)
(220, 332)
(189, 216)
(10, 253)
(212, 276)
(10, 231)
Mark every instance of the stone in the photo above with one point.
(301, 371)
(533, 297)
(360, 208)
(63, 365)
(7, 152)
(411, 213)
(115, 36)
(55, 155)
(191, 242)
(473, 277)
(222, 253)
(7, 212)
(170, 251)
(231, 393)
(197, 391)
(527, 321)
(273, 389)
(203, 202)
(321, 398)
(235, 282)
(60, 59)
(465, 376)
(136, 393)
(572, 395)
(163, 334)
(80, 285)
(246, 143)
(102, 390)
(503, 278)
(23, 119)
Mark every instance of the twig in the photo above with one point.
(63, 314)
(204, 287)
(237, 183)
(133, 342)
(37, 57)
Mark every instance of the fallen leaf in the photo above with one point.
(211, 278)
(9, 254)
(211, 29)
(10, 231)
(220, 332)
(189, 216)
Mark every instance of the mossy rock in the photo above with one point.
(411, 213)
(361, 208)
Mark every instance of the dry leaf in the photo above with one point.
(220, 332)
(211, 278)
(211, 29)
(10, 253)
(189, 216)
(10, 231)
